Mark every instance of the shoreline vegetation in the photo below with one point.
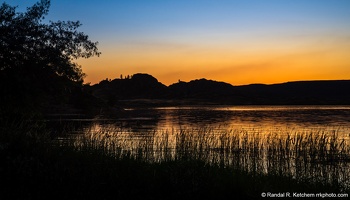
(186, 164)
(318, 156)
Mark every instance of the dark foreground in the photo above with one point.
(32, 166)
(62, 173)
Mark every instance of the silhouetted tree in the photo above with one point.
(37, 56)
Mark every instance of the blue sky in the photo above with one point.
(236, 41)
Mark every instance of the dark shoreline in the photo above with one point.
(202, 91)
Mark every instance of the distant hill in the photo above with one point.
(144, 86)
(202, 88)
(299, 92)
(138, 86)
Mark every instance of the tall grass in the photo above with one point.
(112, 163)
(304, 155)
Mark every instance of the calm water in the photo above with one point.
(262, 118)
(247, 137)
(249, 118)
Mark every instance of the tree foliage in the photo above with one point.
(27, 42)
(38, 57)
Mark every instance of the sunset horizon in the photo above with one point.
(238, 42)
(128, 76)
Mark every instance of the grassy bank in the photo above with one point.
(35, 167)
(65, 173)
(313, 155)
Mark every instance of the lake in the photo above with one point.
(304, 142)
(262, 118)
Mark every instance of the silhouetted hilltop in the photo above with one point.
(134, 87)
(202, 88)
(144, 86)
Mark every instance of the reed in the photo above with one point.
(115, 163)
(313, 155)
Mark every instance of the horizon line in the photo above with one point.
(256, 83)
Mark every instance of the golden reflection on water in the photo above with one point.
(303, 142)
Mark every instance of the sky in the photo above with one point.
(235, 41)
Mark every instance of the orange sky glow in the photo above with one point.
(239, 42)
(267, 61)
